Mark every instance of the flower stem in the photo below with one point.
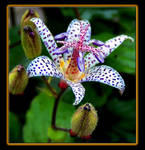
(49, 87)
(53, 122)
(77, 13)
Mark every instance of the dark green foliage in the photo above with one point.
(15, 128)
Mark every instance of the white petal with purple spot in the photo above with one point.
(47, 39)
(78, 90)
(43, 66)
(90, 61)
(106, 75)
(113, 43)
(108, 47)
(73, 34)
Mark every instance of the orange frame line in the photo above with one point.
(7, 71)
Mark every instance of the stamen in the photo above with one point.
(82, 76)
(61, 63)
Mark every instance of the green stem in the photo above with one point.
(53, 122)
(49, 87)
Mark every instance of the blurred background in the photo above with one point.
(30, 114)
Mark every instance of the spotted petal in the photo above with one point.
(112, 44)
(106, 75)
(47, 38)
(74, 30)
(43, 66)
(73, 33)
(78, 90)
(108, 47)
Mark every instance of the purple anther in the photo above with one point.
(99, 57)
(81, 62)
(60, 36)
(57, 51)
(97, 42)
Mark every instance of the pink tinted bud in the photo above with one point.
(62, 84)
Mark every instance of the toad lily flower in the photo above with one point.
(68, 61)
(77, 38)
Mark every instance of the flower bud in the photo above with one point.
(27, 16)
(84, 121)
(31, 42)
(62, 84)
(18, 80)
(30, 38)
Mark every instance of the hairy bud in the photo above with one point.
(18, 80)
(84, 121)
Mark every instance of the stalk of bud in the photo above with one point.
(84, 121)
(18, 80)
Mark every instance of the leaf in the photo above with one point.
(38, 118)
(14, 34)
(15, 128)
(125, 125)
(88, 13)
(56, 135)
(68, 12)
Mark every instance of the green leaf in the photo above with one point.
(104, 13)
(15, 128)
(14, 34)
(68, 12)
(56, 135)
(38, 119)
(125, 125)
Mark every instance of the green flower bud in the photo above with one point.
(31, 42)
(30, 38)
(27, 16)
(18, 80)
(84, 121)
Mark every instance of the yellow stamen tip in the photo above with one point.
(68, 61)
(61, 63)
(82, 76)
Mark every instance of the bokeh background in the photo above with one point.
(30, 114)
